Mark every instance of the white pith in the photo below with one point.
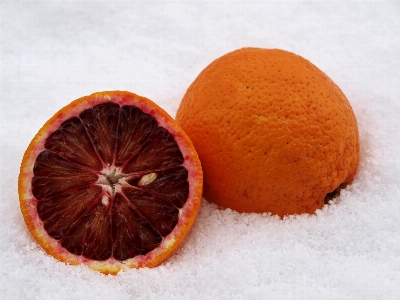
(112, 179)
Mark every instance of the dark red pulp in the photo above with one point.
(97, 220)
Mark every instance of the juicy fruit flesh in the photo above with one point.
(110, 183)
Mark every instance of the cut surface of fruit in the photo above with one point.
(110, 181)
(273, 132)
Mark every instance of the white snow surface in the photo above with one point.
(53, 52)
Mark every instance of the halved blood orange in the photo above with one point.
(110, 181)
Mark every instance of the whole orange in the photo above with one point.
(273, 132)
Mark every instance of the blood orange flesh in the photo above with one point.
(110, 181)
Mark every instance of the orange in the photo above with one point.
(273, 132)
(112, 182)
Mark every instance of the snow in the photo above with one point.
(53, 52)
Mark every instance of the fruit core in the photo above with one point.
(110, 183)
(113, 178)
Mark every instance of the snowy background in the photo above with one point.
(53, 52)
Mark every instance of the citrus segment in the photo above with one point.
(68, 143)
(134, 129)
(110, 181)
(158, 152)
(54, 174)
(161, 215)
(60, 211)
(101, 123)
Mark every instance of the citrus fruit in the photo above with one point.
(110, 181)
(273, 132)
